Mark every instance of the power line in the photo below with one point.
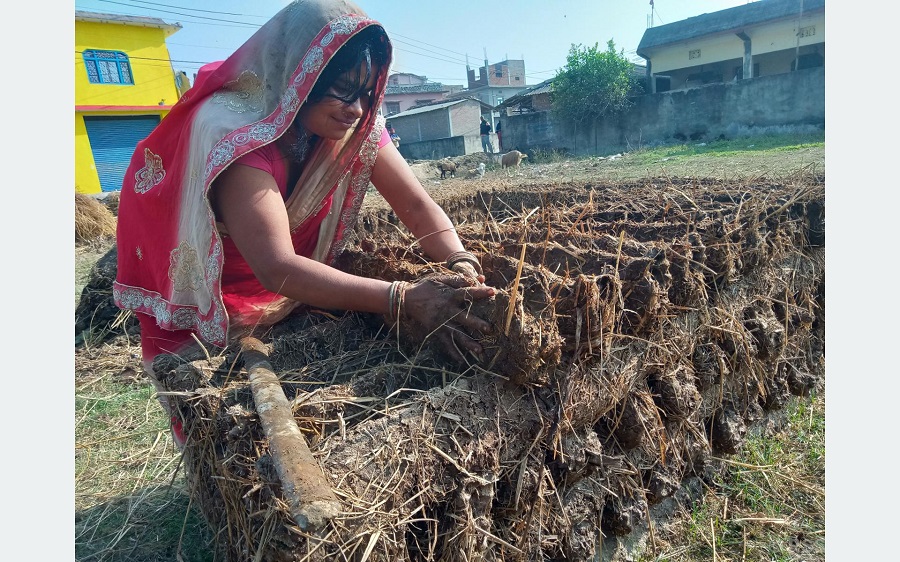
(267, 17)
(435, 55)
(230, 49)
(445, 59)
(183, 14)
(429, 44)
(448, 59)
(181, 61)
(241, 25)
(130, 57)
(199, 10)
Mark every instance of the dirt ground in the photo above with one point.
(735, 166)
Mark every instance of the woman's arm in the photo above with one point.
(248, 202)
(423, 217)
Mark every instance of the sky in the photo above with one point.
(431, 38)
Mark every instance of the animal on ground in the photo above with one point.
(477, 172)
(447, 167)
(512, 159)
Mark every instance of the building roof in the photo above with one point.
(423, 78)
(435, 106)
(542, 88)
(731, 19)
(496, 87)
(430, 87)
(139, 21)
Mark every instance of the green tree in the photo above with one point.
(593, 83)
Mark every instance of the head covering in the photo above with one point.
(168, 242)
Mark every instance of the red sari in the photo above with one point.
(177, 267)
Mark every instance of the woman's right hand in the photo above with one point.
(468, 270)
(440, 305)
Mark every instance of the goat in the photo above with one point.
(447, 167)
(477, 172)
(512, 159)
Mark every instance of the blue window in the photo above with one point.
(107, 67)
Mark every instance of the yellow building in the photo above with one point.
(757, 39)
(124, 85)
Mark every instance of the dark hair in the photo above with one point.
(369, 46)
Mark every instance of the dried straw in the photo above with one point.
(93, 219)
(540, 455)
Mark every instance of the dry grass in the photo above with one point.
(93, 219)
(112, 202)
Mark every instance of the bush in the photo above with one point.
(593, 83)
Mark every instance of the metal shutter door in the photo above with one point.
(113, 140)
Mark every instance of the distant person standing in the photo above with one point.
(500, 135)
(486, 144)
(395, 138)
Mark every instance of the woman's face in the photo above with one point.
(330, 118)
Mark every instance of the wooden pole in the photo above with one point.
(309, 495)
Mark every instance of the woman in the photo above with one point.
(235, 206)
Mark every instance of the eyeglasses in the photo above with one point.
(348, 92)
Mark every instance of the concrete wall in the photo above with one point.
(422, 126)
(148, 56)
(778, 62)
(458, 120)
(696, 114)
(441, 148)
(465, 119)
(433, 149)
(784, 34)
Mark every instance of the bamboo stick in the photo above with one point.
(309, 495)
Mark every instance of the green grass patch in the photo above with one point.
(547, 156)
(766, 503)
(153, 525)
(744, 146)
(130, 497)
